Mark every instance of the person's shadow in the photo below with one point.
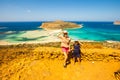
(70, 56)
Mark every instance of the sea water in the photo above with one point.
(96, 31)
(92, 31)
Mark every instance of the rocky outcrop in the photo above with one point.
(59, 25)
(117, 23)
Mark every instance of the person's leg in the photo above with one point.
(78, 59)
(74, 57)
(69, 58)
(74, 60)
(78, 56)
(65, 60)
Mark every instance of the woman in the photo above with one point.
(65, 45)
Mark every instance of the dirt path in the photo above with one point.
(53, 69)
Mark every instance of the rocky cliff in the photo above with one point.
(117, 23)
(59, 25)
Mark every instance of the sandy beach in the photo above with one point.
(38, 36)
(35, 36)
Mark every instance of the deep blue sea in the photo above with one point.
(95, 31)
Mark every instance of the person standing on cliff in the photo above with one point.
(65, 45)
(76, 51)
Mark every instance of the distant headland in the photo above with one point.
(58, 24)
(116, 23)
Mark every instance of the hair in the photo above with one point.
(76, 42)
(65, 34)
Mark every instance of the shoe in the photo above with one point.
(65, 65)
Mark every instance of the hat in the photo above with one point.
(65, 31)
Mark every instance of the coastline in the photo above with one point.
(40, 36)
(5, 43)
(46, 36)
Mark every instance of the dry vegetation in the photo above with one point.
(59, 25)
(40, 61)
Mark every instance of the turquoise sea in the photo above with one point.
(93, 31)
(96, 31)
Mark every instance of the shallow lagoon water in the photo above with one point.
(91, 31)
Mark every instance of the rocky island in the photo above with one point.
(117, 23)
(59, 25)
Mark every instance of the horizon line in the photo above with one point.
(61, 20)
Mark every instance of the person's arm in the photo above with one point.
(59, 35)
(80, 43)
(69, 41)
(70, 48)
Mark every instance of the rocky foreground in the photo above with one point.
(100, 61)
(59, 25)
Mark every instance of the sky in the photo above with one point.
(68, 10)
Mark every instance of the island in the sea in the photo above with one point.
(59, 25)
(117, 23)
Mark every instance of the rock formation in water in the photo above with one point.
(59, 25)
(117, 23)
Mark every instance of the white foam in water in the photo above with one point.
(110, 41)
